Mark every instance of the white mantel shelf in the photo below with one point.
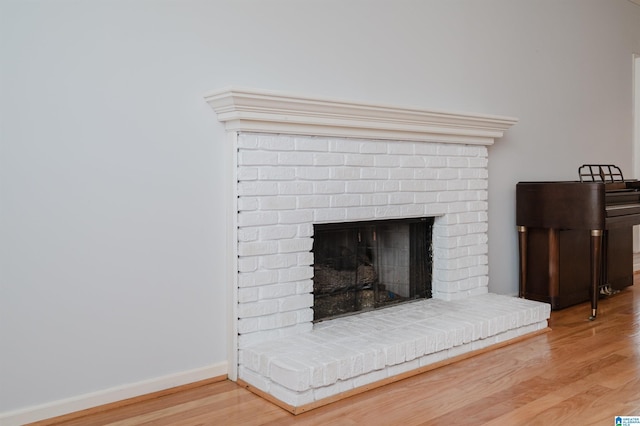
(260, 111)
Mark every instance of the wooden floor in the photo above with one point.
(580, 373)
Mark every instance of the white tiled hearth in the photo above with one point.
(300, 161)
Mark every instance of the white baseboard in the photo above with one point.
(107, 396)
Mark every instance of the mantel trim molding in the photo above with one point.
(260, 111)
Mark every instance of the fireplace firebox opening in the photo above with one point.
(360, 266)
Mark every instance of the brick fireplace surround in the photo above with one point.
(299, 161)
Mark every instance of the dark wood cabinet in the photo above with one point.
(558, 264)
(575, 240)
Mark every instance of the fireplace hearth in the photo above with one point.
(302, 165)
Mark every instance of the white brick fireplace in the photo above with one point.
(299, 161)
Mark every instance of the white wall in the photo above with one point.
(636, 137)
(111, 203)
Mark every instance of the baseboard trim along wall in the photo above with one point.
(112, 395)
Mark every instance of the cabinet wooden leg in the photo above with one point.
(522, 245)
(596, 272)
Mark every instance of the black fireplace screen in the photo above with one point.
(367, 265)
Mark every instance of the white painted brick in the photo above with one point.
(258, 278)
(276, 142)
(369, 360)
(295, 274)
(426, 149)
(330, 215)
(278, 261)
(275, 291)
(360, 213)
(345, 200)
(477, 291)
(313, 173)
(478, 162)
(278, 320)
(378, 173)
(304, 315)
(314, 201)
(295, 302)
(404, 367)
(426, 197)
(257, 248)
(278, 203)
(328, 187)
(305, 286)
(345, 173)
(248, 234)
(248, 264)
(305, 230)
(311, 144)
(369, 378)
(295, 330)
(373, 147)
(471, 239)
(477, 228)
(295, 158)
(457, 162)
(450, 149)
(248, 325)
(278, 232)
(359, 160)
(478, 184)
(474, 150)
(254, 379)
(294, 188)
(357, 365)
(375, 199)
(335, 389)
(415, 162)
(295, 216)
(470, 217)
(249, 294)
(357, 187)
(304, 258)
(446, 174)
(248, 140)
(295, 245)
(401, 198)
(257, 158)
(401, 174)
(291, 397)
(328, 159)
(247, 173)
(277, 173)
(402, 148)
(256, 309)
(387, 186)
(344, 145)
(450, 231)
(412, 210)
(425, 174)
(457, 207)
(387, 161)
(436, 185)
(471, 196)
(251, 339)
(257, 188)
(435, 162)
(388, 212)
(456, 185)
(248, 204)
